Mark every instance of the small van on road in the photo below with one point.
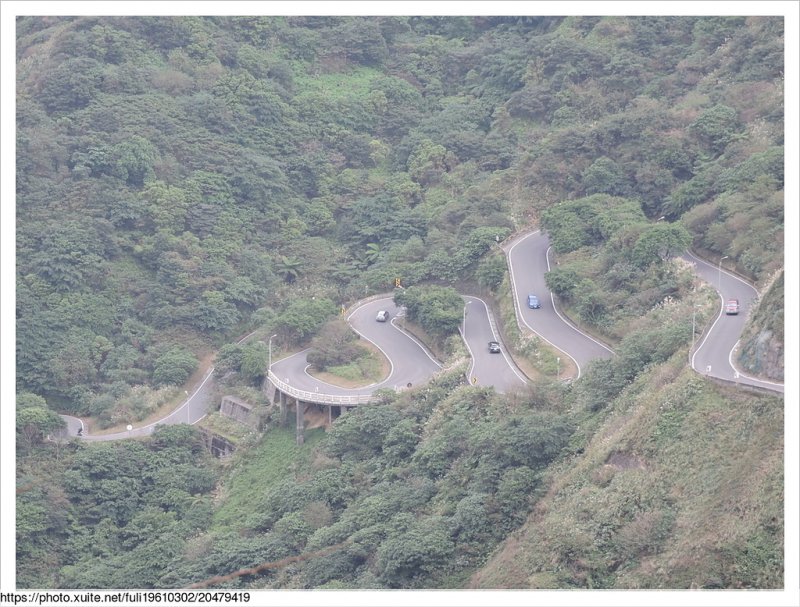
(382, 316)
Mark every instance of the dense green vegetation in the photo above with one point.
(614, 265)
(184, 181)
(111, 515)
(438, 310)
(177, 175)
(420, 489)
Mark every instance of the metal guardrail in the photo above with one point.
(319, 397)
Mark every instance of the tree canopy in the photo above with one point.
(184, 181)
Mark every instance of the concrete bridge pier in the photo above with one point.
(271, 390)
(300, 426)
(282, 405)
(283, 396)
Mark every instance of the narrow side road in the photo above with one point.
(190, 412)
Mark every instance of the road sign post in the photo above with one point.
(269, 365)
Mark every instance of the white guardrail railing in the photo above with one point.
(319, 397)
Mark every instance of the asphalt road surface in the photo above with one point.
(487, 369)
(528, 260)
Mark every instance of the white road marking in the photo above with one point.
(511, 365)
(518, 308)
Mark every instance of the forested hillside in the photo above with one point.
(183, 181)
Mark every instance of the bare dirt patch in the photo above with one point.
(625, 461)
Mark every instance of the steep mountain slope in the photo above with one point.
(680, 485)
(183, 181)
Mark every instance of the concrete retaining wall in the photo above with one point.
(239, 410)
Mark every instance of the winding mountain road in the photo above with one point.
(487, 369)
(411, 363)
(528, 261)
(715, 353)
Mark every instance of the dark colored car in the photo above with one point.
(533, 302)
(494, 347)
(732, 307)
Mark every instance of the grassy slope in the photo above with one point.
(678, 486)
(273, 459)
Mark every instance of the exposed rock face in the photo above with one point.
(761, 350)
(763, 355)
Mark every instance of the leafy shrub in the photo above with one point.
(336, 344)
(304, 317)
(717, 126)
(491, 271)
(406, 559)
(510, 504)
(438, 310)
(471, 523)
(174, 366)
(533, 440)
(361, 432)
